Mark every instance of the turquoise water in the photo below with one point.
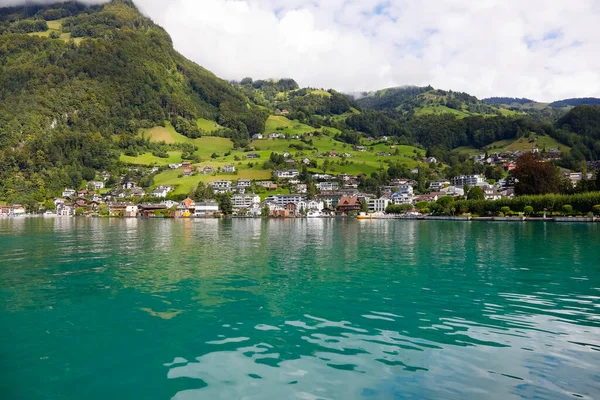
(298, 309)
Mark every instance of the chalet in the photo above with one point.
(81, 202)
(228, 169)
(286, 155)
(175, 166)
(257, 136)
(348, 204)
(305, 161)
(129, 185)
(431, 160)
(252, 155)
(295, 137)
(187, 206)
(186, 164)
(82, 193)
(187, 172)
(150, 210)
(208, 170)
(95, 185)
(169, 203)
(301, 188)
(68, 193)
(275, 135)
(384, 138)
(359, 148)
(139, 192)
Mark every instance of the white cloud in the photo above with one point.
(542, 49)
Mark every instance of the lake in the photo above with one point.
(298, 309)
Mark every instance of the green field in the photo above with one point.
(151, 160)
(521, 144)
(56, 26)
(358, 162)
(292, 127)
(207, 125)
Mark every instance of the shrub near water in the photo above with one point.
(581, 203)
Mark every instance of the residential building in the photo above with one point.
(221, 186)
(95, 185)
(438, 185)
(228, 169)
(301, 188)
(244, 183)
(208, 170)
(348, 204)
(471, 180)
(206, 208)
(283, 199)
(257, 136)
(378, 204)
(286, 174)
(68, 193)
(252, 155)
(187, 172)
(275, 135)
(162, 191)
(328, 186)
(244, 200)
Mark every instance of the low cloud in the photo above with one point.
(541, 49)
(11, 3)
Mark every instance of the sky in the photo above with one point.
(540, 49)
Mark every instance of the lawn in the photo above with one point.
(526, 144)
(56, 26)
(207, 125)
(438, 109)
(292, 127)
(206, 144)
(151, 160)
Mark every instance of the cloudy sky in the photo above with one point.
(541, 49)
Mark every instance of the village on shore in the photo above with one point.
(331, 195)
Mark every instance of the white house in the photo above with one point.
(286, 174)
(96, 185)
(378, 205)
(228, 168)
(471, 180)
(283, 199)
(221, 186)
(275, 135)
(68, 193)
(244, 183)
(206, 208)
(328, 186)
(438, 185)
(257, 136)
(162, 191)
(244, 200)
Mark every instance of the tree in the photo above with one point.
(596, 209)
(103, 210)
(505, 210)
(49, 205)
(476, 193)
(54, 35)
(214, 155)
(225, 204)
(79, 211)
(528, 210)
(203, 192)
(567, 209)
(535, 176)
(364, 207)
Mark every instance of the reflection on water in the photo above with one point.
(309, 309)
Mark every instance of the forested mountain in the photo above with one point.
(592, 101)
(506, 100)
(70, 102)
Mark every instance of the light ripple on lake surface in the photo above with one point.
(307, 309)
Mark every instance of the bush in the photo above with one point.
(567, 209)
(596, 209)
(528, 210)
(505, 210)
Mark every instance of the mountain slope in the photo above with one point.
(68, 109)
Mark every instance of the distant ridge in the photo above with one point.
(590, 101)
(506, 100)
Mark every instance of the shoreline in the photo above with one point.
(364, 218)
